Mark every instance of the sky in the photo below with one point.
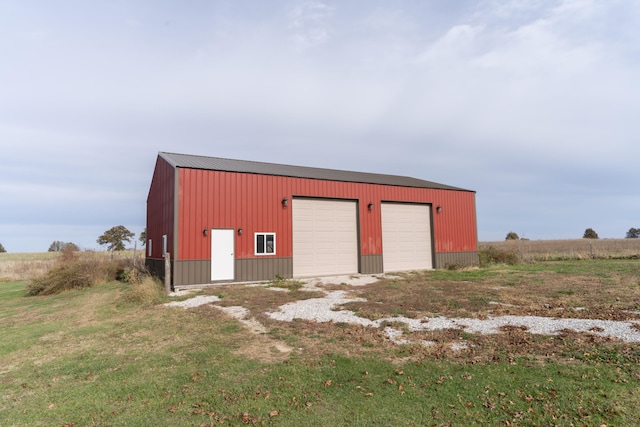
(533, 104)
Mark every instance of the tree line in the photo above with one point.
(114, 238)
(589, 233)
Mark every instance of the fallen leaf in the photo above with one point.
(489, 405)
(274, 413)
(51, 406)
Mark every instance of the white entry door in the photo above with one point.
(222, 259)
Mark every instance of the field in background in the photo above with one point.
(26, 266)
(574, 249)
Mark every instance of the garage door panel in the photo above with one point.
(325, 239)
(406, 237)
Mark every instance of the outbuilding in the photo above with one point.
(223, 220)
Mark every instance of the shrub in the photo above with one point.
(452, 266)
(131, 272)
(148, 291)
(145, 289)
(72, 272)
(491, 255)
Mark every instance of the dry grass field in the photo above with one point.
(26, 266)
(573, 249)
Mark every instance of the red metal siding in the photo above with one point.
(214, 199)
(161, 208)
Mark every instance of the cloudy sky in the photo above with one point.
(534, 104)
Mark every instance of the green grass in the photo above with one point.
(11, 291)
(471, 275)
(598, 268)
(91, 358)
(290, 284)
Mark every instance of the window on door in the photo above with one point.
(265, 243)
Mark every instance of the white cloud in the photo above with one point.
(458, 44)
(520, 100)
(309, 24)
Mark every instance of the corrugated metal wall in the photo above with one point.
(161, 208)
(214, 199)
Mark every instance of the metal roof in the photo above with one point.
(244, 166)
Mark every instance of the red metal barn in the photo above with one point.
(225, 220)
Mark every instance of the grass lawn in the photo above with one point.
(90, 358)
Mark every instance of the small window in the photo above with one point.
(149, 248)
(164, 244)
(265, 243)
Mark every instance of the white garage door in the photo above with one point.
(406, 237)
(325, 238)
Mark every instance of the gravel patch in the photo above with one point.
(533, 324)
(241, 314)
(313, 284)
(395, 335)
(193, 302)
(182, 292)
(322, 310)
